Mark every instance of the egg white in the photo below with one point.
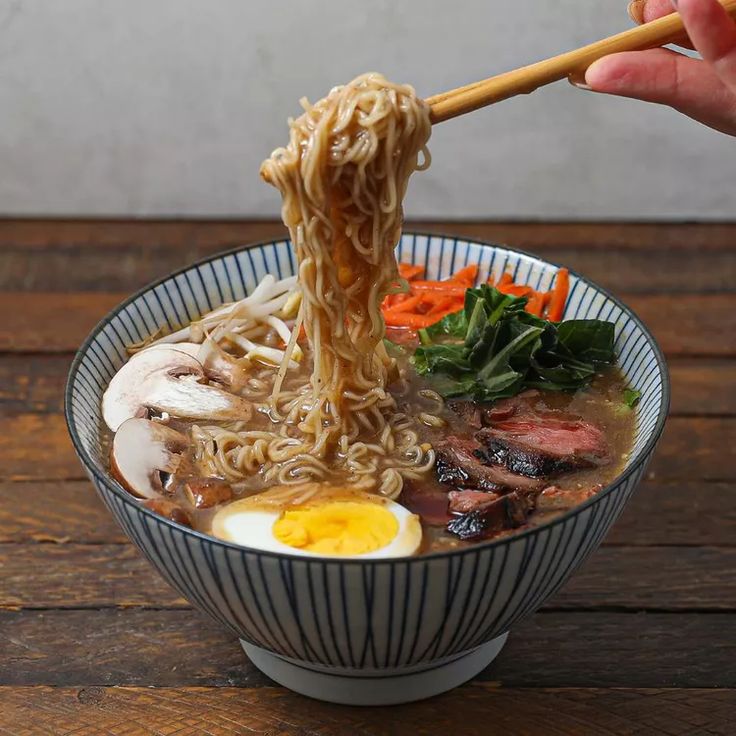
(252, 528)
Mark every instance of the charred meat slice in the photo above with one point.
(542, 446)
(520, 459)
(429, 500)
(462, 502)
(484, 415)
(506, 512)
(458, 464)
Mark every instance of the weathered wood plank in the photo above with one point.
(111, 233)
(35, 383)
(57, 511)
(658, 514)
(693, 448)
(80, 576)
(703, 387)
(51, 323)
(89, 267)
(36, 446)
(179, 647)
(636, 578)
(276, 711)
(678, 513)
(652, 578)
(56, 323)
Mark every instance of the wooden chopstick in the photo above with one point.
(526, 79)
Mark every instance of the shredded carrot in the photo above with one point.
(446, 303)
(535, 303)
(514, 290)
(559, 295)
(443, 287)
(466, 275)
(429, 301)
(406, 305)
(408, 271)
(545, 301)
(406, 319)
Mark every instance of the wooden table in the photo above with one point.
(641, 641)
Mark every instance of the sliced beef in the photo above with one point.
(484, 415)
(557, 499)
(544, 445)
(461, 502)
(459, 465)
(427, 499)
(468, 411)
(505, 512)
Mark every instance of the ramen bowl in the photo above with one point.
(379, 631)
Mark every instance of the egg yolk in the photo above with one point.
(340, 528)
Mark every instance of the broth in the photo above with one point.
(600, 404)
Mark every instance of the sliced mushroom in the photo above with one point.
(204, 493)
(169, 510)
(167, 380)
(220, 366)
(141, 451)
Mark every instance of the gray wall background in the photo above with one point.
(167, 107)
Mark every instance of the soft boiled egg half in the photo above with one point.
(331, 523)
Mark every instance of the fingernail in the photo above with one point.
(636, 11)
(577, 79)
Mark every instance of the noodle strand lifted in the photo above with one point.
(342, 177)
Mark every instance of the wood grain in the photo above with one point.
(81, 576)
(694, 448)
(51, 322)
(703, 387)
(171, 648)
(35, 446)
(59, 322)
(626, 578)
(50, 233)
(129, 266)
(57, 512)
(651, 609)
(35, 383)
(676, 513)
(276, 711)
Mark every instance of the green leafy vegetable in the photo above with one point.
(492, 349)
(631, 397)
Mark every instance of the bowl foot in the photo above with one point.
(350, 686)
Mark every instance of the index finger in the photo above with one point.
(713, 32)
(645, 11)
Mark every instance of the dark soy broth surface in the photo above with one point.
(600, 404)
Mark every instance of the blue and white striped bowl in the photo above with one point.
(373, 631)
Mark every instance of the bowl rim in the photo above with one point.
(111, 485)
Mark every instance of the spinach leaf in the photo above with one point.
(492, 349)
(587, 339)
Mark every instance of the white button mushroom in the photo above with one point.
(141, 451)
(167, 380)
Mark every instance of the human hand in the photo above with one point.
(702, 89)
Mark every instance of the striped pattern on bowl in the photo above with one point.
(369, 616)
